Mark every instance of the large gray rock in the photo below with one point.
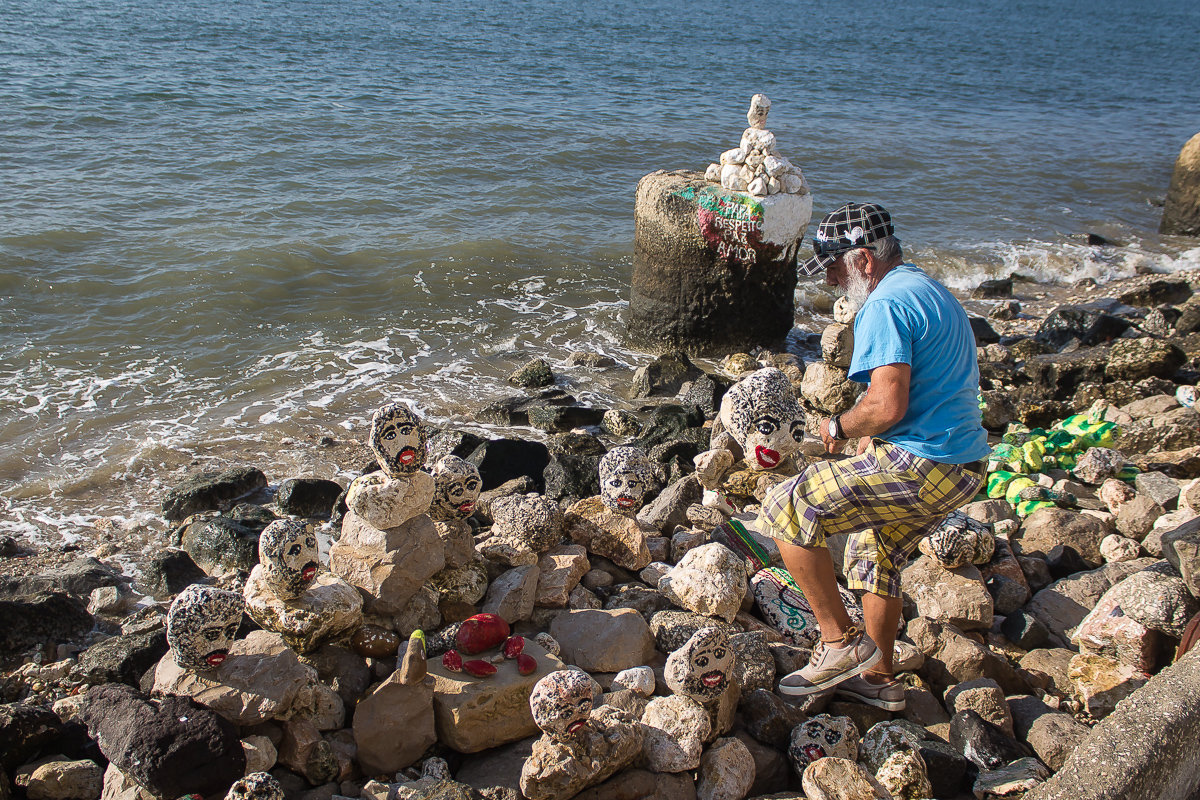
(694, 286)
(1181, 211)
(1048, 527)
(211, 491)
(602, 640)
(1053, 735)
(710, 579)
(1181, 546)
(957, 596)
(1063, 604)
(670, 507)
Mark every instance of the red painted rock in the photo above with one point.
(526, 664)
(479, 668)
(514, 646)
(482, 632)
(452, 661)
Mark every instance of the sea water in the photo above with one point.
(229, 229)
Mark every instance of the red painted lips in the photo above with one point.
(467, 508)
(308, 573)
(712, 679)
(766, 457)
(576, 725)
(216, 658)
(624, 501)
(407, 456)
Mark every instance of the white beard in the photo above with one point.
(857, 288)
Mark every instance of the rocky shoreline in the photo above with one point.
(1012, 652)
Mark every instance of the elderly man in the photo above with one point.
(919, 454)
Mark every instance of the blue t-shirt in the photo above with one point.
(912, 319)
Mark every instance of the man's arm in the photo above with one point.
(884, 404)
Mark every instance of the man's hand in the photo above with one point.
(832, 445)
(864, 444)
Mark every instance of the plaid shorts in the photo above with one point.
(887, 499)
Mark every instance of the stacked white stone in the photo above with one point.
(755, 165)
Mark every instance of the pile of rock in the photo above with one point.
(755, 165)
(587, 643)
(827, 388)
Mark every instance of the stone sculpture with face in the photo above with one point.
(625, 478)
(202, 624)
(757, 115)
(288, 553)
(456, 485)
(561, 702)
(820, 737)
(398, 440)
(762, 414)
(701, 668)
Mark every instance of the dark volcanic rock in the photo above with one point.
(985, 334)
(169, 573)
(48, 618)
(996, 287)
(1058, 375)
(670, 422)
(26, 731)
(123, 659)
(983, 744)
(211, 491)
(221, 545)
(1156, 292)
(664, 375)
(1135, 359)
(572, 476)
(77, 579)
(1086, 324)
(705, 393)
(769, 718)
(553, 418)
(308, 497)
(514, 411)
(533, 374)
(173, 746)
(1025, 630)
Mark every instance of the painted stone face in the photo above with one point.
(762, 414)
(625, 478)
(822, 736)
(561, 702)
(757, 115)
(701, 668)
(201, 626)
(288, 553)
(398, 440)
(456, 485)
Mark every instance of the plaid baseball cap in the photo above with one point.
(852, 226)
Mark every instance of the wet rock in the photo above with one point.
(168, 573)
(1086, 324)
(1101, 682)
(726, 771)
(211, 491)
(710, 579)
(984, 744)
(307, 497)
(838, 778)
(664, 376)
(957, 596)
(819, 737)
(600, 640)
(223, 545)
(172, 746)
(676, 727)
(985, 697)
(607, 533)
(534, 374)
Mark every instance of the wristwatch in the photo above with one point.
(835, 427)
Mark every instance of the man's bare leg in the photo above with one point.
(812, 569)
(881, 615)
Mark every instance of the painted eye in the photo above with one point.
(406, 428)
(702, 661)
(472, 485)
(798, 431)
(294, 550)
(719, 652)
(388, 435)
(212, 634)
(766, 427)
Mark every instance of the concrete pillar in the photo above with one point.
(1181, 212)
(714, 271)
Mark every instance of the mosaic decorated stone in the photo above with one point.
(625, 478)
(561, 702)
(256, 786)
(202, 624)
(287, 551)
(822, 736)
(762, 414)
(456, 485)
(398, 440)
(959, 540)
(701, 668)
(785, 608)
